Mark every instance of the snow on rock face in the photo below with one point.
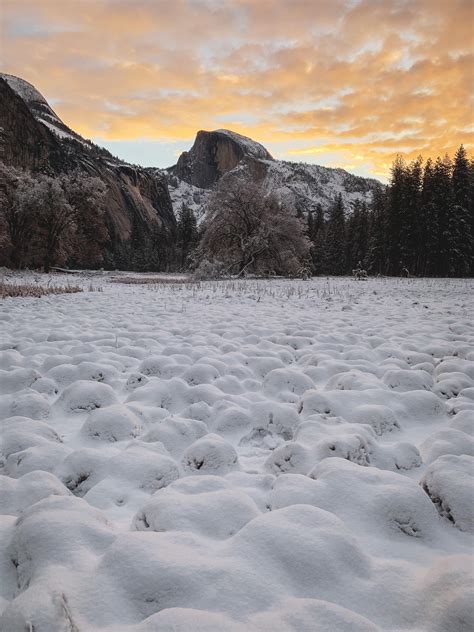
(249, 146)
(25, 90)
(218, 153)
(234, 457)
(39, 106)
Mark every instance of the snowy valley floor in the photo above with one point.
(238, 456)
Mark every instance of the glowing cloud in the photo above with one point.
(312, 79)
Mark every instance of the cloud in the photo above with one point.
(360, 80)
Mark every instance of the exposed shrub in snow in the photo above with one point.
(207, 270)
(286, 384)
(449, 482)
(451, 384)
(380, 502)
(29, 404)
(135, 380)
(380, 418)
(290, 457)
(400, 380)
(35, 291)
(113, 423)
(210, 455)
(84, 396)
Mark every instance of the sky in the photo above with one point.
(342, 83)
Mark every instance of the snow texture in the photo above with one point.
(238, 455)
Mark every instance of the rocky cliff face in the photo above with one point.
(24, 142)
(215, 154)
(33, 137)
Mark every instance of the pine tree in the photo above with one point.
(410, 227)
(318, 241)
(357, 236)
(460, 221)
(443, 196)
(428, 247)
(187, 235)
(471, 210)
(376, 259)
(396, 215)
(335, 249)
(310, 225)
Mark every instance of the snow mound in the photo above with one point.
(16, 495)
(203, 505)
(449, 482)
(464, 421)
(380, 418)
(113, 423)
(448, 441)
(210, 454)
(388, 504)
(84, 396)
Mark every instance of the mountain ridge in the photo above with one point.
(140, 199)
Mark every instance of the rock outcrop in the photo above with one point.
(213, 155)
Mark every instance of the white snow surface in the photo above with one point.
(238, 456)
(250, 147)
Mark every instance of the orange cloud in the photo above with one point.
(317, 78)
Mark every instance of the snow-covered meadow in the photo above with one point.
(238, 456)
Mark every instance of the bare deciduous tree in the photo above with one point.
(250, 231)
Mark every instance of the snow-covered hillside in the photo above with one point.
(41, 109)
(308, 185)
(238, 456)
(302, 186)
(184, 194)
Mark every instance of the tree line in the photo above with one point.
(421, 224)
